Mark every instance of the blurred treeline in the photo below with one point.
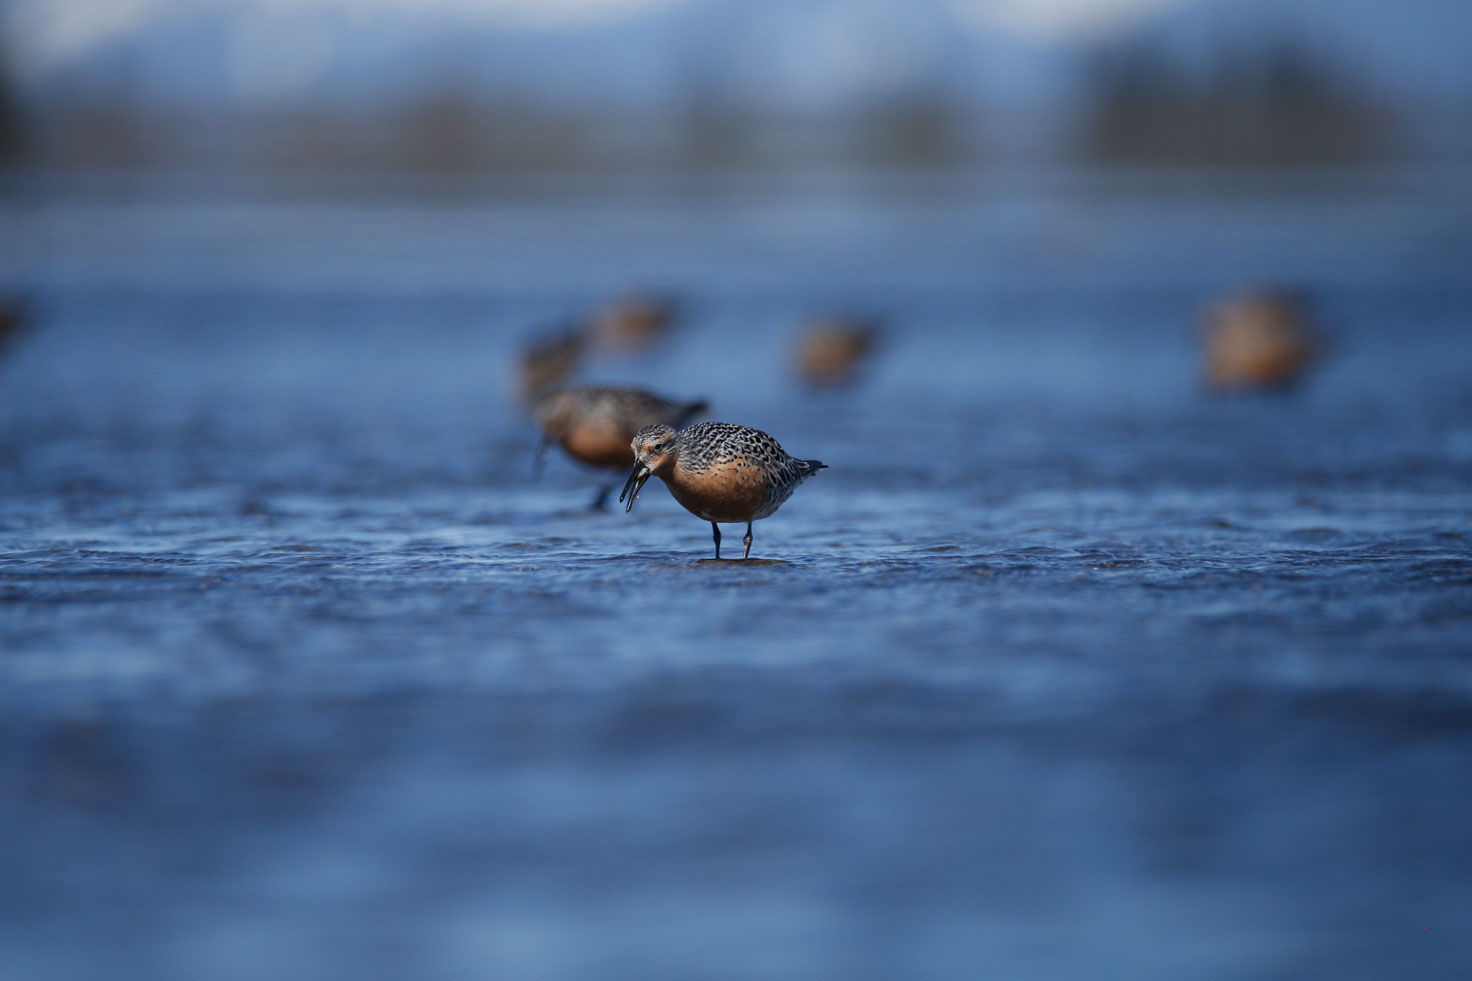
(1277, 105)
(1269, 105)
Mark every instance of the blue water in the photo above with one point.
(1064, 668)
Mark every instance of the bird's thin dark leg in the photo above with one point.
(540, 460)
(600, 503)
(715, 532)
(747, 542)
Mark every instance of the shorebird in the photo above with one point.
(718, 471)
(629, 325)
(596, 423)
(549, 360)
(633, 324)
(1259, 339)
(831, 350)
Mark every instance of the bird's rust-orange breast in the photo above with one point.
(730, 490)
(600, 446)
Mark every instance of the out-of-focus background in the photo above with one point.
(1128, 634)
(575, 86)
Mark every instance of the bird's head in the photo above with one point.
(654, 452)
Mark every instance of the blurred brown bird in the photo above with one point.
(633, 324)
(1258, 339)
(595, 424)
(549, 360)
(830, 351)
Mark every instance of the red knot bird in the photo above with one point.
(1259, 339)
(830, 351)
(719, 472)
(549, 360)
(633, 324)
(595, 424)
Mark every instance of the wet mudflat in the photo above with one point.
(1064, 668)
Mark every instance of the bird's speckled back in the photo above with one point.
(706, 446)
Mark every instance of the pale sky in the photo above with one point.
(52, 33)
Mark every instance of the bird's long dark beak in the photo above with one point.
(636, 481)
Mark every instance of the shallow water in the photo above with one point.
(1063, 668)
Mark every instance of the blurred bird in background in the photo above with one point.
(547, 361)
(831, 350)
(1259, 339)
(633, 324)
(595, 424)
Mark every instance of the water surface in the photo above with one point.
(1063, 668)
